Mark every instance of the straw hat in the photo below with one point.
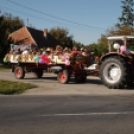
(66, 49)
(82, 49)
(48, 49)
(58, 47)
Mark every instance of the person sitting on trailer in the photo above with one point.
(85, 52)
(47, 52)
(59, 51)
(67, 52)
(74, 51)
(25, 52)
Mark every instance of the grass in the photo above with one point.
(9, 87)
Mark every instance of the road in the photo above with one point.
(66, 114)
(48, 85)
(72, 108)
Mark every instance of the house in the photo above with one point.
(36, 38)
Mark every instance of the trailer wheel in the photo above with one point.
(19, 72)
(63, 76)
(80, 79)
(38, 73)
(113, 72)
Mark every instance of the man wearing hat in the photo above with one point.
(66, 52)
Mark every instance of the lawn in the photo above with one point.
(9, 87)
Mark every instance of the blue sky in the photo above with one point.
(86, 20)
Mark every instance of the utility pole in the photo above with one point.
(27, 22)
(0, 16)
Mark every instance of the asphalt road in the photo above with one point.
(66, 114)
(55, 108)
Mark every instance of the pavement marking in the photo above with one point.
(89, 114)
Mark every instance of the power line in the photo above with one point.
(53, 21)
(52, 16)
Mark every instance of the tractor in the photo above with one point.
(117, 66)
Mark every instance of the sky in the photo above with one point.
(86, 20)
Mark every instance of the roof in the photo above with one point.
(120, 37)
(28, 35)
(21, 36)
(41, 40)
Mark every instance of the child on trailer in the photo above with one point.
(74, 51)
(66, 52)
(59, 51)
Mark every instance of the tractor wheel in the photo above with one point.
(19, 72)
(63, 76)
(38, 73)
(80, 79)
(113, 72)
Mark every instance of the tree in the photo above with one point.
(62, 35)
(127, 17)
(8, 24)
(98, 49)
(124, 27)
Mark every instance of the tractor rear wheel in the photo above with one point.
(113, 72)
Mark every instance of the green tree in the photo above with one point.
(101, 49)
(8, 24)
(115, 31)
(98, 49)
(62, 35)
(78, 44)
(127, 17)
(120, 30)
(124, 27)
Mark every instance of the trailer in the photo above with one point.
(78, 67)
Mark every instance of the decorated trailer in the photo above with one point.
(78, 67)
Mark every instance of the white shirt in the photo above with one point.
(26, 52)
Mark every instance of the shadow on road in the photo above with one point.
(51, 78)
(72, 80)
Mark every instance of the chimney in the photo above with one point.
(45, 33)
